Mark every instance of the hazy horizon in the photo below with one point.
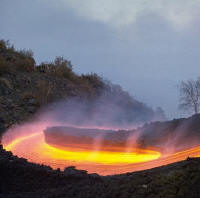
(146, 47)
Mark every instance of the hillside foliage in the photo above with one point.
(25, 86)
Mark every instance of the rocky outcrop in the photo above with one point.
(22, 94)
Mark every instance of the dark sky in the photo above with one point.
(146, 46)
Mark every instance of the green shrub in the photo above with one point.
(94, 80)
(60, 68)
(3, 45)
(4, 66)
(12, 59)
(63, 67)
(26, 65)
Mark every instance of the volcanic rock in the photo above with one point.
(86, 138)
(72, 171)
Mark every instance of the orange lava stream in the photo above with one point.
(34, 148)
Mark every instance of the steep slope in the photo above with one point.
(25, 87)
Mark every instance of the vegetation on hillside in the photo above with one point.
(25, 86)
(13, 60)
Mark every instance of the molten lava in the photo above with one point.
(105, 162)
(37, 150)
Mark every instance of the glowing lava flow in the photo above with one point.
(34, 148)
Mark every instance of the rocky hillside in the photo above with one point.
(25, 87)
(181, 133)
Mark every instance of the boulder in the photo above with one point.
(72, 171)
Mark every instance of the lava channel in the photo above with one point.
(104, 162)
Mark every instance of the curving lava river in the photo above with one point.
(34, 148)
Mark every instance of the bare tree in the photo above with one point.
(190, 95)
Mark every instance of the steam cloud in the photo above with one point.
(112, 112)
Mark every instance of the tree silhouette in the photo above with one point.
(190, 95)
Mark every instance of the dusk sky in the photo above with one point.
(146, 46)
